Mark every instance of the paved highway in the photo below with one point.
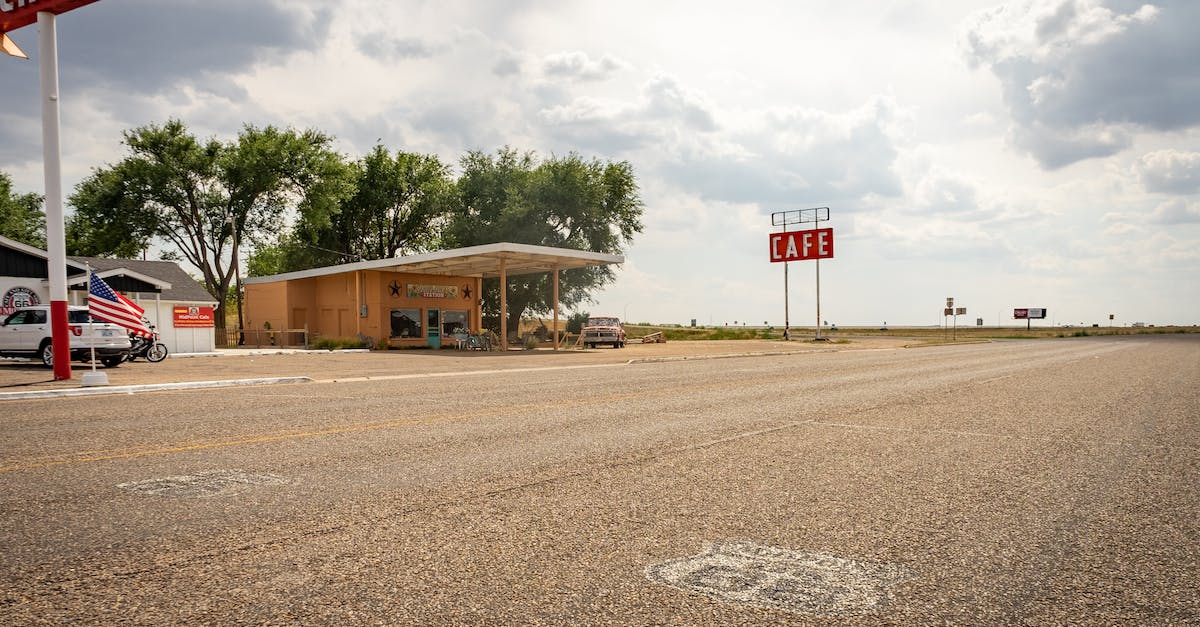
(1047, 481)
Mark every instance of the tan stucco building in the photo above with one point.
(416, 300)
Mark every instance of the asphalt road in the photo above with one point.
(1050, 481)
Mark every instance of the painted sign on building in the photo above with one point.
(18, 296)
(802, 245)
(432, 291)
(192, 317)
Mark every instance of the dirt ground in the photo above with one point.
(25, 375)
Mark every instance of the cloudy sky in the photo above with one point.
(1006, 153)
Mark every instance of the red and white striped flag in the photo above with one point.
(106, 304)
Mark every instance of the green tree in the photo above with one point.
(576, 321)
(565, 202)
(205, 200)
(21, 215)
(398, 204)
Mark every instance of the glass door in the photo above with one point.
(434, 327)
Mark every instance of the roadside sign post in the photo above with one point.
(1028, 314)
(815, 244)
(946, 312)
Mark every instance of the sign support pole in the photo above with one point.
(818, 299)
(56, 246)
(786, 304)
(785, 219)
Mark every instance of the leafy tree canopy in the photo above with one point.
(205, 199)
(21, 215)
(565, 202)
(397, 206)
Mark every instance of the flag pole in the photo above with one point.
(92, 378)
(91, 320)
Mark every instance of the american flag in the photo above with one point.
(106, 304)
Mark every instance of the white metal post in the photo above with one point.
(56, 245)
(818, 297)
(787, 323)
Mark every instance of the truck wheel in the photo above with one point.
(46, 352)
(111, 362)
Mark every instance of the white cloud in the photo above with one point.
(1170, 171)
(1176, 212)
(576, 65)
(1080, 79)
(727, 116)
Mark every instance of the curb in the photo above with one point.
(149, 387)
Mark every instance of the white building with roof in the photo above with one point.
(179, 307)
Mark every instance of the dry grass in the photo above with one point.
(925, 333)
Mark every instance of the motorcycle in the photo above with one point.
(148, 347)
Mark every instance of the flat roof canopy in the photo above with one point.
(473, 261)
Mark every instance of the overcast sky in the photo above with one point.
(1008, 154)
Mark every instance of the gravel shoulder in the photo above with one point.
(23, 376)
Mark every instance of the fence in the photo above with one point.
(261, 338)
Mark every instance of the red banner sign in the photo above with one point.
(17, 13)
(802, 245)
(187, 317)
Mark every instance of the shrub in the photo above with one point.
(335, 343)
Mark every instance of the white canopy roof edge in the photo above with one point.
(474, 261)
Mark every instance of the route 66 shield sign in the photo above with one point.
(753, 574)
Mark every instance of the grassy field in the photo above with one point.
(678, 333)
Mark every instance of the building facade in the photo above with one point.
(399, 309)
(418, 300)
(180, 309)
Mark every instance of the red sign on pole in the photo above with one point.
(802, 245)
(15, 14)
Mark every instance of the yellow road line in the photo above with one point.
(79, 458)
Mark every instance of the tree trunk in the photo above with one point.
(219, 316)
(515, 310)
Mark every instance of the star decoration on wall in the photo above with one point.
(467, 291)
(394, 286)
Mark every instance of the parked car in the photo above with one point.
(603, 330)
(26, 333)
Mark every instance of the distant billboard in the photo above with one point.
(1029, 313)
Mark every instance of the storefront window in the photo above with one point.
(454, 322)
(406, 323)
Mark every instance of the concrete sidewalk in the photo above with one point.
(29, 379)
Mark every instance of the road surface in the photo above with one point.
(1047, 481)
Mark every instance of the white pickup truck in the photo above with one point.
(26, 333)
(603, 330)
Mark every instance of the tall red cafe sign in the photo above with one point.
(802, 245)
(17, 13)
